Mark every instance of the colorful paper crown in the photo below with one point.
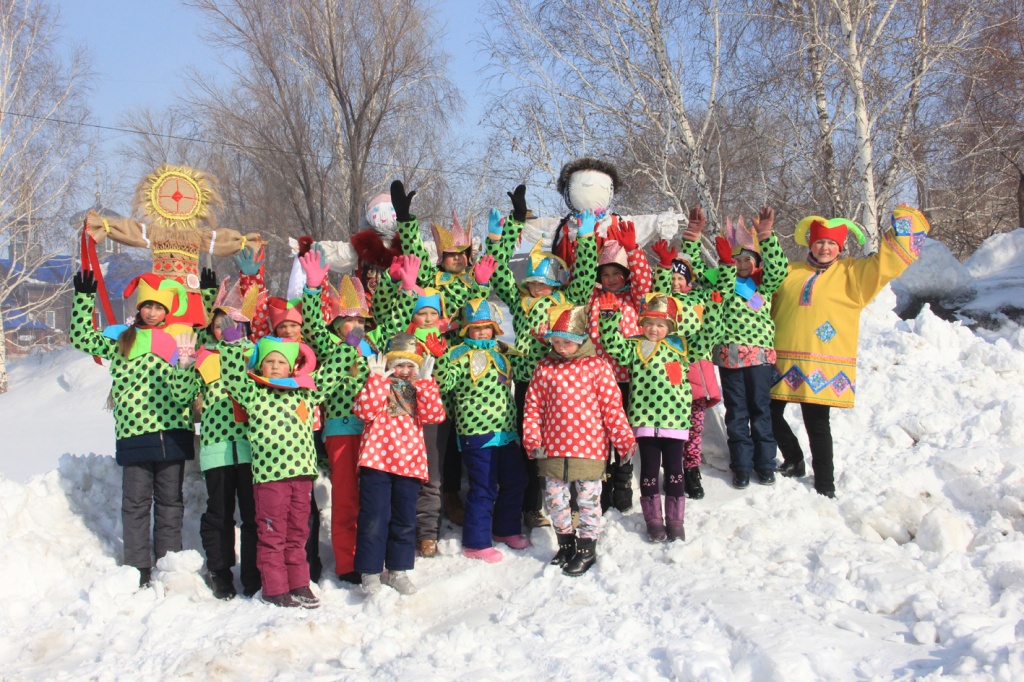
(568, 321)
(812, 228)
(661, 307)
(455, 240)
(163, 290)
(404, 347)
(741, 238)
(481, 313)
(231, 302)
(350, 301)
(281, 310)
(430, 298)
(291, 350)
(613, 254)
(544, 267)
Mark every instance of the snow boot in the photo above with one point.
(285, 600)
(223, 584)
(518, 541)
(535, 519)
(145, 575)
(691, 482)
(766, 477)
(586, 556)
(454, 509)
(622, 486)
(651, 506)
(675, 508)
(370, 583)
(488, 554)
(305, 597)
(353, 577)
(400, 581)
(427, 548)
(793, 469)
(566, 549)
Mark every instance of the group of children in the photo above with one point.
(394, 388)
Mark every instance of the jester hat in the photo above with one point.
(430, 298)
(569, 322)
(455, 240)
(231, 302)
(612, 253)
(544, 267)
(281, 310)
(404, 348)
(350, 301)
(163, 290)
(291, 350)
(481, 313)
(661, 307)
(812, 228)
(741, 238)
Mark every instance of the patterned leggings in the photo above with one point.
(556, 499)
(691, 453)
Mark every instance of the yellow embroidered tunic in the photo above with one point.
(817, 320)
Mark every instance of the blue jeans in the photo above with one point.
(386, 527)
(497, 480)
(748, 418)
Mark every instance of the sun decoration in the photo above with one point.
(178, 196)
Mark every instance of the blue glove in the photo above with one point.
(494, 226)
(588, 221)
(247, 262)
(320, 252)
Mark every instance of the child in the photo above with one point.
(745, 356)
(279, 403)
(225, 455)
(478, 375)
(623, 271)
(393, 460)
(545, 284)
(573, 409)
(659, 400)
(154, 430)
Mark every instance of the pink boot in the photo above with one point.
(674, 510)
(488, 554)
(651, 506)
(515, 541)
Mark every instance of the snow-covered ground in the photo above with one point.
(916, 570)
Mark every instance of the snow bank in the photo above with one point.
(937, 274)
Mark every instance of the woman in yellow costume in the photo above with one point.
(176, 206)
(817, 322)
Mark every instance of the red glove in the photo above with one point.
(305, 242)
(724, 250)
(484, 268)
(540, 331)
(410, 271)
(396, 267)
(763, 223)
(695, 224)
(716, 296)
(627, 236)
(608, 301)
(436, 345)
(665, 253)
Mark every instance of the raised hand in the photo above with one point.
(495, 225)
(208, 279)
(249, 260)
(427, 368)
(518, 197)
(484, 268)
(410, 270)
(763, 223)
(186, 342)
(396, 267)
(665, 253)
(314, 264)
(401, 201)
(231, 332)
(588, 221)
(436, 345)
(627, 235)
(85, 282)
(724, 250)
(608, 302)
(695, 225)
(378, 364)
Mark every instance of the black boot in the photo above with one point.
(793, 469)
(622, 484)
(145, 575)
(691, 482)
(566, 549)
(223, 584)
(586, 556)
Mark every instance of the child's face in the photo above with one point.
(218, 333)
(274, 366)
(289, 330)
(563, 346)
(405, 370)
(454, 262)
(825, 251)
(539, 289)
(152, 313)
(425, 317)
(347, 324)
(745, 266)
(612, 277)
(655, 329)
(679, 285)
(480, 333)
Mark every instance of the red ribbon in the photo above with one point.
(91, 263)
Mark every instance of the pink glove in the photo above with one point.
(484, 268)
(315, 267)
(409, 272)
(763, 223)
(396, 267)
(695, 224)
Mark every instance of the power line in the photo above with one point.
(234, 145)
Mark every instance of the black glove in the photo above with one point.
(85, 283)
(208, 279)
(518, 197)
(401, 201)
